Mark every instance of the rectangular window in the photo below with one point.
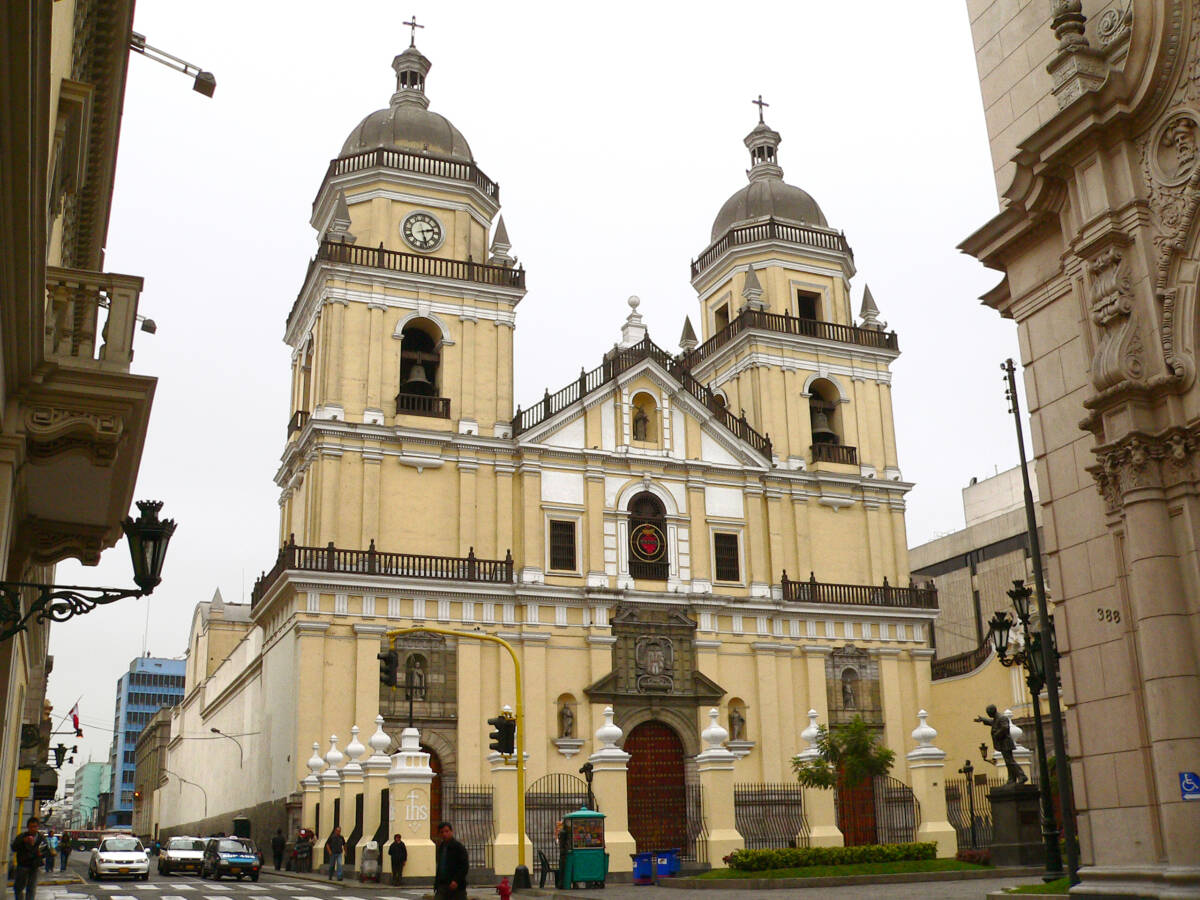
(725, 554)
(562, 545)
(720, 317)
(806, 305)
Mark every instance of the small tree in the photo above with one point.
(846, 757)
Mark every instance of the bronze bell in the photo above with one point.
(821, 432)
(418, 382)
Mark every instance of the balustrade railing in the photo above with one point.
(771, 230)
(962, 663)
(90, 318)
(420, 163)
(813, 591)
(420, 264)
(420, 405)
(835, 453)
(373, 562)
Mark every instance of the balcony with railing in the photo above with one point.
(842, 454)
(420, 405)
(420, 264)
(749, 319)
(418, 163)
(91, 318)
(371, 562)
(813, 591)
(771, 230)
(961, 663)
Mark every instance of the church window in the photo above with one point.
(420, 360)
(644, 418)
(562, 545)
(807, 305)
(726, 556)
(720, 317)
(648, 538)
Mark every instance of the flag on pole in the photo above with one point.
(75, 720)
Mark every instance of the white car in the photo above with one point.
(119, 856)
(181, 854)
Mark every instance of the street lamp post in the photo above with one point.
(1049, 653)
(203, 792)
(215, 730)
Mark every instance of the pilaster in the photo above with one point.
(409, 781)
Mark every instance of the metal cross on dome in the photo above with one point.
(414, 26)
(760, 103)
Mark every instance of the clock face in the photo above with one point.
(422, 231)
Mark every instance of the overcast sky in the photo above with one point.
(615, 131)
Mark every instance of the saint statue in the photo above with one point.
(566, 721)
(1002, 742)
(737, 724)
(641, 424)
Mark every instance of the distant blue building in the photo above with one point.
(149, 684)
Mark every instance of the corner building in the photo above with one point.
(668, 533)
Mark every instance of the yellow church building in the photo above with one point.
(718, 528)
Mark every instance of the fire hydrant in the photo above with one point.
(504, 889)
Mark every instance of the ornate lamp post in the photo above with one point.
(148, 537)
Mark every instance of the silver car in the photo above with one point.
(181, 854)
(119, 856)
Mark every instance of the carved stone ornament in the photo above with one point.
(1141, 461)
(1114, 23)
(655, 665)
(53, 430)
(1119, 348)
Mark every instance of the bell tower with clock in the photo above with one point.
(402, 334)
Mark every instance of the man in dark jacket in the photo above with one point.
(28, 847)
(278, 843)
(450, 880)
(335, 847)
(399, 855)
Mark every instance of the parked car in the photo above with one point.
(236, 857)
(181, 854)
(119, 856)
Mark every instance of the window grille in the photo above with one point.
(725, 553)
(562, 545)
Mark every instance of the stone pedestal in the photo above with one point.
(715, 767)
(819, 806)
(310, 789)
(610, 770)
(1016, 826)
(352, 786)
(409, 781)
(331, 794)
(375, 780)
(926, 769)
(505, 857)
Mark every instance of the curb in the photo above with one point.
(760, 884)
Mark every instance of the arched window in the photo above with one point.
(824, 414)
(648, 538)
(420, 359)
(644, 418)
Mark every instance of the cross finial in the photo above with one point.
(760, 103)
(414, 26)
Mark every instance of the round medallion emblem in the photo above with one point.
(648, 543)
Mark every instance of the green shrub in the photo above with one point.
(797, 857)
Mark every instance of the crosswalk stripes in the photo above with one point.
(258, 896)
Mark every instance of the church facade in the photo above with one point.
(717, 527)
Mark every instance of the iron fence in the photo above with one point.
(959, 809)
(468, 807)
(546, 801)
(880, 811)
(770, 816)
(697, 834)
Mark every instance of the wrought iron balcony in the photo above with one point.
(420, 264)
(91, 318)
(835, 453)
(372, 562)
(813, 591)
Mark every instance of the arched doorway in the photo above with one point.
(657, 796)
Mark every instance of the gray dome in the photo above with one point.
(764, 197)
(411, 127)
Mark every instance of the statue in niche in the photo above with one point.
(414, 681)
(641, 424)
(737, 724)
(1002, 742)
(849, 694)
(566, 721)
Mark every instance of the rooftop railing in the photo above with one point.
(813, 591)
(420, 264)
(771, 230)
(421, 163)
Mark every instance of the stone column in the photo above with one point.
(331, 790)
(352, 785)
(715, 765)
(819, 806)
(926, 769)
(409, 782)
(375, 771)
(504, 815)
(311, 788)
(610, 768)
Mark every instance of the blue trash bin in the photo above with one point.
(667, 862)
(642, 871)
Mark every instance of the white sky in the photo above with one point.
(615, 131)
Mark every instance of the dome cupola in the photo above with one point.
(767, 194)
(407, 124)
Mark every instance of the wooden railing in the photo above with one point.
(813, 591)
(420, 264)
(420, 163)
(617, 361)
(372, 562)
(788, 324)
(771, 230)
(835, 453)
(419, 405)
(962, 663)
(90, 318)
(296, 422)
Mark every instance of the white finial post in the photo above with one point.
(926, 772)
(634, 329)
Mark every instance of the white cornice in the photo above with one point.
(822, 348)
(402, 178)
(716, 275)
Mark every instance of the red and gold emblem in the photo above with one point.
(648, 543)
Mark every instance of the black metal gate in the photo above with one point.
(959, 809)
(549, 799)
(696, 846)
(770, 816)
(882, 810)
(468, 807)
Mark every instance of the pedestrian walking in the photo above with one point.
(399, 856)
(336, 845)
(49, 851)
(278, 843)
(450, 878)
(64, 852)
(28, 848)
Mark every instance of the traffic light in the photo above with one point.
(503, 735)
(60, 750)
(389, 665)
